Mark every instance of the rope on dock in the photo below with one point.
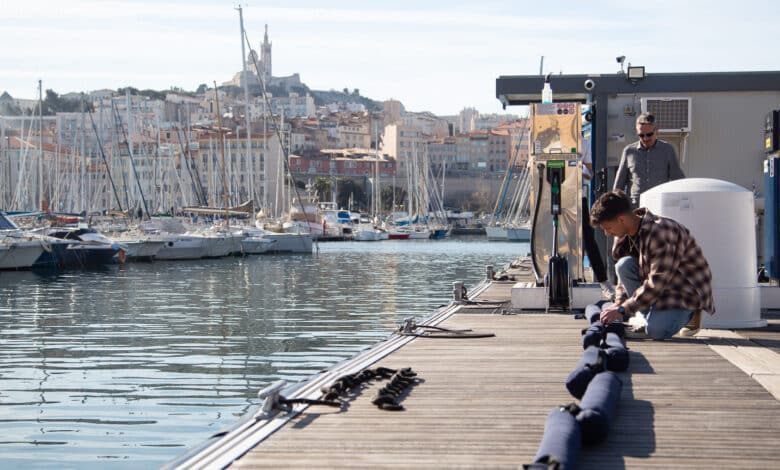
(386, 399)
(410, 328)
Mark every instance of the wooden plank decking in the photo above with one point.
(481, 403)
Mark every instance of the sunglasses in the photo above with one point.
(649, 134)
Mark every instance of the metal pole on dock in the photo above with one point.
(457, 291)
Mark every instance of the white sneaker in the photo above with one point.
(637, 327)
(637, 321)
(607, 290)
(692, 327)
(637, 333)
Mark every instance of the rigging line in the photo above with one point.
(189, 169)
(222, 159)
(105, 161)
(203, 193)
(285, 150)
(118, 123)
(499, 207)
(132, 162)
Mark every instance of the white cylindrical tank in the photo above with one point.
(720, 215)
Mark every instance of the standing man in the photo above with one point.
(662, 272)
(648, 161)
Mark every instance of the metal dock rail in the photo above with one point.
(704, 402)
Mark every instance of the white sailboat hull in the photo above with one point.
(496, 233)
(256, 245)
(367, 234)
(518, 234)
(181, 247)
(420, 234)
(19, 254)
(140, 248)
(290, 242)
(219, 246)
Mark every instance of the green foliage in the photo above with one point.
(387, 197)
(151, 94)
(9, 109)
(154, 94)
(348, 187)
(122, 91)
(53, 104)
(322, 188)
(322, 98)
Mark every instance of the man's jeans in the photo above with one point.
(661, 324)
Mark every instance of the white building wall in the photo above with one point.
(726, 139)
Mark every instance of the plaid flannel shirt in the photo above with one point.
(673, 268)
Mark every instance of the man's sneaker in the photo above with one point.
(637, 321)
(693, 326)
(607, 290)
(639, 332)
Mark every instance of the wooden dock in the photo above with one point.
(482, 403)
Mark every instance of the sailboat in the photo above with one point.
(370, 230)
(510, 219)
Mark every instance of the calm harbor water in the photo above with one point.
(129, 366)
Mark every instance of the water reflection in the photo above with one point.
(131, 364)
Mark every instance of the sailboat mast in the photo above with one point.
(105, 161)
(222, 157)
(129, 146)
(40, 142)
(377, 185)
(244, 78)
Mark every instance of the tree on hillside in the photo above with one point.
(322, 188)
(349, 189)
(133, 91)
(53, 104)
(387, 197)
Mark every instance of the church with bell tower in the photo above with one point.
(264, 65)
(265, 58)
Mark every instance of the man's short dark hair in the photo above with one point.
(609, 206)
(646, 118)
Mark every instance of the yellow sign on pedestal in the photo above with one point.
(556, 129)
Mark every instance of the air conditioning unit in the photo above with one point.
(671, 114)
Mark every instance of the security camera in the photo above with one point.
(620, 59)
(589, 84)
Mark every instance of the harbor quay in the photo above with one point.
(486, 378)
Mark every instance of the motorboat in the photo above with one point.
(84, 247)
(17, 249)
(284, 242)
(140, 248)
(367, 233)
(177, 243)
(219, 242)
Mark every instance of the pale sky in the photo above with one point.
(438, 56)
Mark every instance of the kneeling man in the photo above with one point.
(661, 271)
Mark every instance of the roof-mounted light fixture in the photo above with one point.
(635, 73)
